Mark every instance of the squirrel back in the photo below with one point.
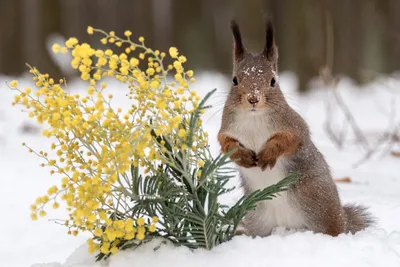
(272, 141)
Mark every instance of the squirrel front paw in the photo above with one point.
(266, 160)
(244, 157)
(280, 144)
(268, 156)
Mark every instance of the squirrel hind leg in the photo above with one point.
(358, 218)
(241, 229)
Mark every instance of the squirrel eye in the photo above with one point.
(235, 81)
(273, 82)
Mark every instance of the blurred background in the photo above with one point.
(357, 38)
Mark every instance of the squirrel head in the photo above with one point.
(255, 84)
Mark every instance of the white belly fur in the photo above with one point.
(253, 131)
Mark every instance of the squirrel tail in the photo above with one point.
(358, 218)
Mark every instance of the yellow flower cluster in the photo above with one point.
(95, 144)
(116, 230)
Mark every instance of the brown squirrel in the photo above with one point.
(272, 141)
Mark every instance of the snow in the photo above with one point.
(375, 184)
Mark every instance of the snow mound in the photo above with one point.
(371, 247)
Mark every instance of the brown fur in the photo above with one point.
(280, 144)
(242, 156)
(255, 90)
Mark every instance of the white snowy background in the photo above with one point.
(375, 184)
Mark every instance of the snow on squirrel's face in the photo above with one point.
(255, 84)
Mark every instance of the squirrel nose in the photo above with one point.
(253, 99)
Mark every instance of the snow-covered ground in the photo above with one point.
(375, 184)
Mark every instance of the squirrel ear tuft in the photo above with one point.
(270, 50)
(238, 48)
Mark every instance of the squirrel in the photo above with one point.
(272, 141)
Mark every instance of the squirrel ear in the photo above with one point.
(270, 50)
(238, 48)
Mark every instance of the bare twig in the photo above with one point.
(343, 180)
(331, 82)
